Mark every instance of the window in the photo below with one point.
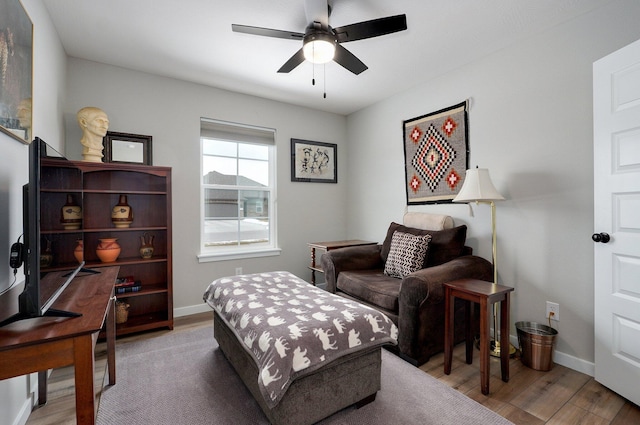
(237, 191)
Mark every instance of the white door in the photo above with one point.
(616, 110)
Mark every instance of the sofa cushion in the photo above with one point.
(371, 286)
(445, 245)
(406, 254)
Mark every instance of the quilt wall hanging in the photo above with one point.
(436, 155)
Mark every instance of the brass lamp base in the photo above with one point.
(494, 348)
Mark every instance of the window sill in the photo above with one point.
(237, 255)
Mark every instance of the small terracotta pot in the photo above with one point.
(78, 252)
(108, 250)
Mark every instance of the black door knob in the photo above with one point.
(601, 237)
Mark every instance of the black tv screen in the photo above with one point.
(36, 298)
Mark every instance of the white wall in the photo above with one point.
(170, 111)
(49, 69)
(530, 124)
(14, 393)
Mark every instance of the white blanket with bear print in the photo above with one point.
(291, 328)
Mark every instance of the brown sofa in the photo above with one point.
(415, 302)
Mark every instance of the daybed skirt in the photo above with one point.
(352, 379)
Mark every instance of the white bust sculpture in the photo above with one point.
(94, 124)
(24, 116)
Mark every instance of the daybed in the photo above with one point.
(303, 353)
(414, 301)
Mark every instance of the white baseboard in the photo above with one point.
(193, 309)
(23, 415)
(588, 368)
(566, 360)
(560, 358)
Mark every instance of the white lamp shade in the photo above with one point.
(477, 186)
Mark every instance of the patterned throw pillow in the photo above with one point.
(445, 245)
(406, 254)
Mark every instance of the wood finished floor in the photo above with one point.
(560, 396)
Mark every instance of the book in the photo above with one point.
(125, 281)
(130, 288)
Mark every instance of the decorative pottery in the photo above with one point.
(78, 252)
(122, 311)
(46, 257)
(122, 214)
(108, 250)
(71, 214)
(146, 246)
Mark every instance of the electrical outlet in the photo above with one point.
(238, 270)
(553, 311)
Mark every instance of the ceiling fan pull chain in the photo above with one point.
(313, 75)
(324, 76)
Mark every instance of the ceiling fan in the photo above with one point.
(321, 43)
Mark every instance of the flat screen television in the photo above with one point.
(36, 298)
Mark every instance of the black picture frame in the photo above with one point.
(314, 162)
(116, 147)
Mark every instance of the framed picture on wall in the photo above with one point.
(127, 148)
(314, 162)
(16, 65)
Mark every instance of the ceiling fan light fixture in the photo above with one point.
(319, 47)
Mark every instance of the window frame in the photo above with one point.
(235, 133)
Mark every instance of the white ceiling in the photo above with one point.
(192, 40)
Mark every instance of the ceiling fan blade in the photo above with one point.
(267, 32)
(317, 11)
(373, 28)
(293, 62)
(348, 60)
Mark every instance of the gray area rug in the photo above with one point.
(183, 378)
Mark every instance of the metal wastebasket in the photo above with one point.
(536, 345)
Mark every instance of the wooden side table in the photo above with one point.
(328, 246)
(485, 294)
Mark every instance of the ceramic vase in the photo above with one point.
(122, 213)
(71, 214)
(108, 250)
(146, 246)
(122, 312)
(78, 252)
(46, 257)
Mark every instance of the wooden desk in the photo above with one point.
(328, 246)
(485, 294)
(36, 345)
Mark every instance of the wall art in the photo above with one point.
(315, 162)
(127, 148)
(16, 64)
(436, 155)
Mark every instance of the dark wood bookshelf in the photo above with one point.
(96, 187)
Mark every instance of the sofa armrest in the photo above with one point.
(421, 303)
(363, 257)
(426, 284)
